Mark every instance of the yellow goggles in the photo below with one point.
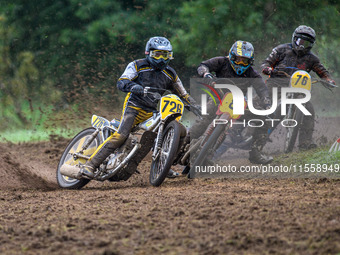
(242, 61)
(158, 54)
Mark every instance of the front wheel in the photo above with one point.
(207, 149)
(161, 166)
(74, 146)
(292, 132)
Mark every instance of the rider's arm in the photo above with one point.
(210, 65)
(271, 61)
(260, 87)
(321, 71)
(319, 68)
(125, 82)
(182, 93)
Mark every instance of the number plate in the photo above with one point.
(98, 122)
(171, 104)
(301, 79)
(227, 106)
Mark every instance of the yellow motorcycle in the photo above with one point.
(163, 133)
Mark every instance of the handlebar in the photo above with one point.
(279, 72)
(157, 96)
(324, 83)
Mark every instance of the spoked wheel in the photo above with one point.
(67, 158)
(161, 166)
(292, 132)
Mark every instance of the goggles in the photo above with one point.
(158, 54)
(303, 42)
(242, 61)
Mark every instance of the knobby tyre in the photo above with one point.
(75, 145)
(292, 132)
(161, 166)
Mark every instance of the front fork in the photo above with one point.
(158, 142)
(80, 154)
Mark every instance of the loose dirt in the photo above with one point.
(201, 216)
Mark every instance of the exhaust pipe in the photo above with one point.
(70, 171)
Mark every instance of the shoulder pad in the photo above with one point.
(171, 72)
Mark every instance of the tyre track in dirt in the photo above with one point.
(201, 216)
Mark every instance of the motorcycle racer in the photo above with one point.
(238, 64)
(290, 57)
(152, 71)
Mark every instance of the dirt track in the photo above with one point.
(211, 216)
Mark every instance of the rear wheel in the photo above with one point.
(67, 158)
(292, 132)
(161, 166)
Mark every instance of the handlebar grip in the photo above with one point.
(327, 85)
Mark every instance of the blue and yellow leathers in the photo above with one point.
(138, 108)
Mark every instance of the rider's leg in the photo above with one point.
(131, 117)
(260, 135)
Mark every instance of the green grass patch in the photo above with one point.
(313, 163)
(316, 156)
(43, 122)
(29, 135)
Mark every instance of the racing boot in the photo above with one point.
(112, 143)
(186, 170)
(306, 146)
(256, 157)
(172, 174)
(87, 170)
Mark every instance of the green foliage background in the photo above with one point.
(62, 55)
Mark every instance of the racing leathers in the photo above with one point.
(137, 107)
(284, 58)
(223, 69)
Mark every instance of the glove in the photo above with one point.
(137, 90)
(332, 82)
(267, 70)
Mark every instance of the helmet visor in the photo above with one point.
(158, 54)
(242, 61)
(303, 42)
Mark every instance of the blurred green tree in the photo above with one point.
(82, 46)
(20, 85)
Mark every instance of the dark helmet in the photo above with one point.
(241, 56)
(158, 52)
(303, 39)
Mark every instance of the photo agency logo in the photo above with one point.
(235, 102)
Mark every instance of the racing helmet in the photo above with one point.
(158, 52)
(241, 56)
(303, 39)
